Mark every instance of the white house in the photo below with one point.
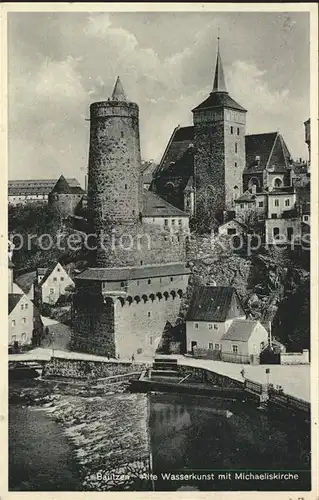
(53, 282)
(210, 314)
(244, 341)
(231, 228)
(20, 318)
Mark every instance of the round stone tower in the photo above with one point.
(114, 178)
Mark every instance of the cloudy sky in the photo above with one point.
(59, 63)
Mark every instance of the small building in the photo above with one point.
(232, 228)
(52, 282)
(210, 314)
(282, 231)
(65, 199)
(21, 312)
(33, 190)
(160, 212)
(244, 341)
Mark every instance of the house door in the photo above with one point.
(193, 344)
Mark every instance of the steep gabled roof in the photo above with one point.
(25, 281)
(271, 150)
(48, 272)
(13, 300)
(240, 330)
(154, 206)
(211, 303)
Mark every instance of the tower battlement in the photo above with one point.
(106, 109)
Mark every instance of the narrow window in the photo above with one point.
(149, 314)
(51, 290)
(235, 163)
(236, 147)
(172, 279)
(24, 320)
(21, 307)
(231, 130)
(149, 281)
(165, 222)
(287, 203)
(196, 325)
(237, 130)
(13, 322)
(210, 346)
(180, 222)
(122, 284)
(151, 340)
(141, 262)
(242, 205)
(276, 202)
(215, 327)
(276, 232)
(210, 326)
(125, 186)
(137, 282)
(217, 347)
(26, 306)
(290, 232)
(235, 349)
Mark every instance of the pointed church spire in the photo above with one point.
(219, 79)
(118, 92)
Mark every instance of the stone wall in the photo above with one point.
(235, 155)
(202, 375)
(80, 369)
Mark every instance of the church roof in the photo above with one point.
(220, 100)
(267, 151)
(154, 206)
(211, 303)
(180, 142)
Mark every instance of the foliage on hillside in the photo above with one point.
(40, 239)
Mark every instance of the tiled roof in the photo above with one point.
(240, 330)
(36, 186)
(218, 100)
(210, 303)
(132, 273)
(282, 190)
(13, 300)
(154, 206)
(272, 151)
(25, 281)
(232, 221)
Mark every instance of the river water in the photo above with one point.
(185, 433)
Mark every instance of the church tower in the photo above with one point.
(219, 140)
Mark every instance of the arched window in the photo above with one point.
(277, 182)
